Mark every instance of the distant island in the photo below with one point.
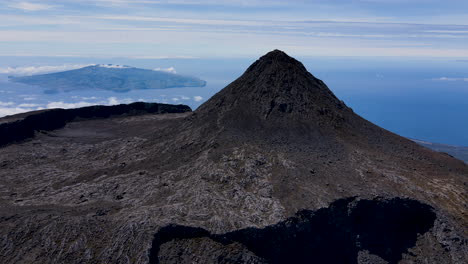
(458, 152)
(109, 77)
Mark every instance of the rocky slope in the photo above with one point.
(337, 234)
(273, 155)
(22, 126)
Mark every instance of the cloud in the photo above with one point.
(61, 104)
(222, 43)
(31, 70)
(113, 101)
(6, 103)
(28, 105)
(169, 70)
(450, 79)
(243, 3)
(141, 27)
(9, 108)
(112, 66)
(89, 98)
(188, 21)
(161, 57)
(448, 31)
(29, 98)
(123, 2)
(28, 6)
(5, 111)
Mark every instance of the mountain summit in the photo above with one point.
(272, 169)
(275, 86)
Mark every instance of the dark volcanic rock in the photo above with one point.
(255, 165)
(386, 228)
(274, 91)
(48, 120)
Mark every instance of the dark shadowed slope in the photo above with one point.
(384, 228)
(273, 143)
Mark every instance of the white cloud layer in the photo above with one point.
(220, 28)
(28, 6)
(6, 111)
(11, 108)
(31, 70)
(64, 105)
(113, 101)
(169, 70)
(6, 103)
(28, 105)
(192, 2)
(451, 79)
(112, 66)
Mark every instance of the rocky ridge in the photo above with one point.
(20, 127)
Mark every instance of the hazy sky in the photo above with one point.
(235, 28)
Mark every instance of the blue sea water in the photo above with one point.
(425, 99)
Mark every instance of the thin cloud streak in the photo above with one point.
(451, 79)
(213, 43)
(203, 28)
(29, 6)
(30, 70)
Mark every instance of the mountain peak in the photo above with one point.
(276, 59)
(276, 54)
(276, 86)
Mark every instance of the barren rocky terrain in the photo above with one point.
(274, 159)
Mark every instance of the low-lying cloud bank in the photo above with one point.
(169, 70)
(6, 103)
(31, 70)
(6, 111)
(451, 79)
(12, 108)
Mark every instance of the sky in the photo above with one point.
(235, 28)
